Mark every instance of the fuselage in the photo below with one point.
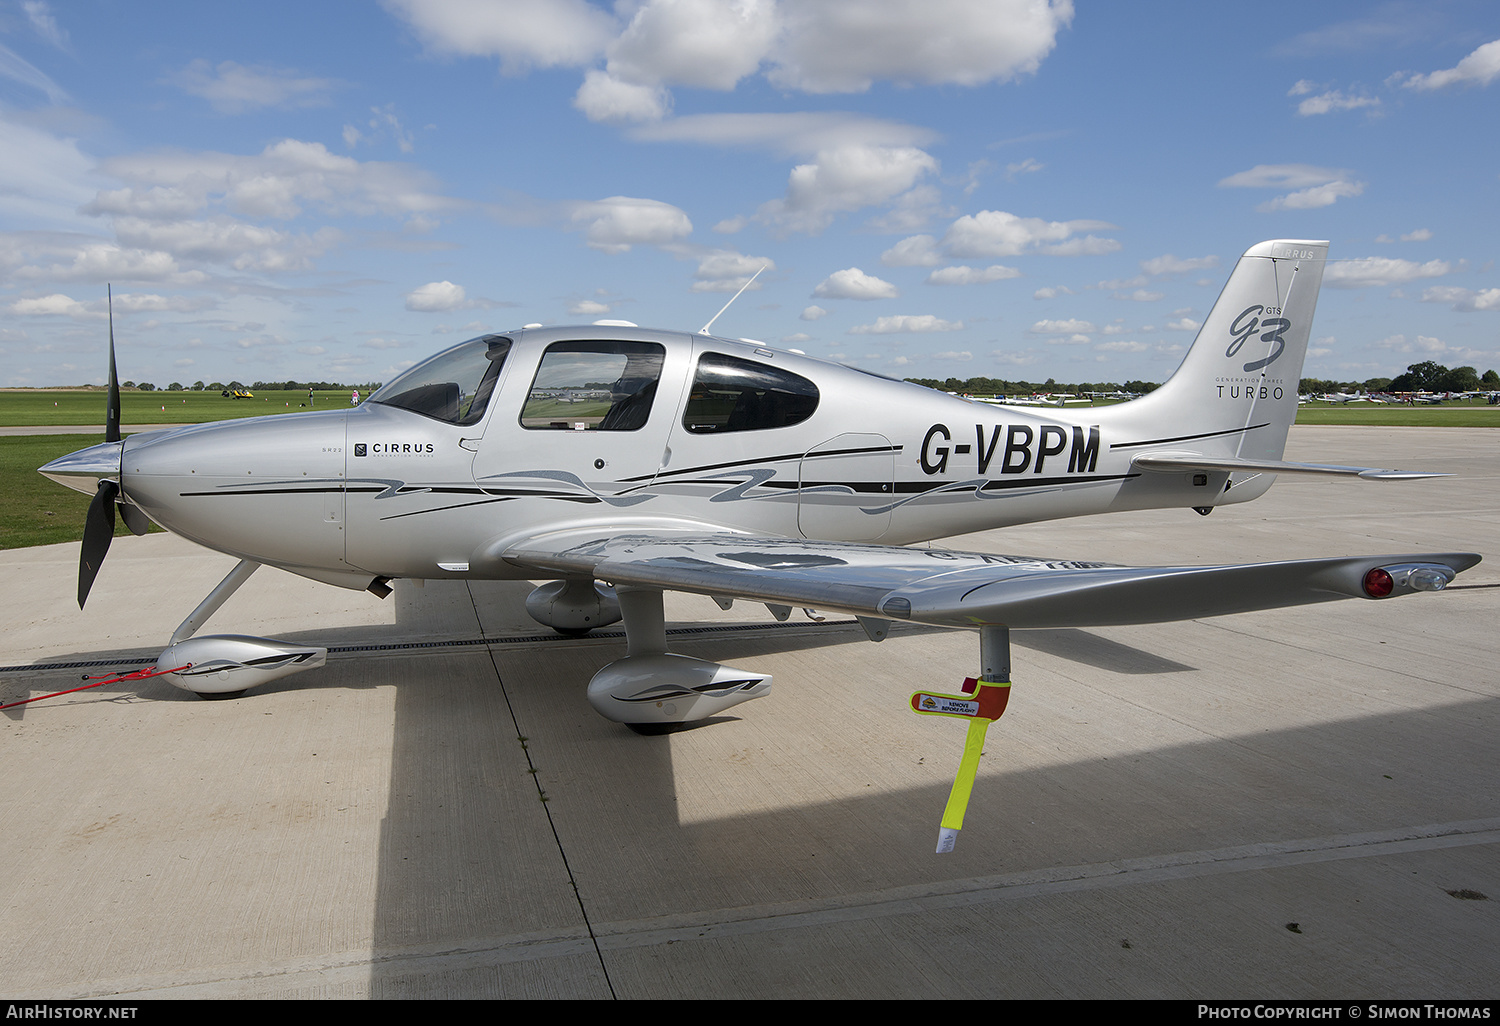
(722, 434)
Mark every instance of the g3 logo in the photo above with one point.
(1271, 330)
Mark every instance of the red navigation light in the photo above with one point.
(1378, 583)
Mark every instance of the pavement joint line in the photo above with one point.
(562, 849)
(627, 934)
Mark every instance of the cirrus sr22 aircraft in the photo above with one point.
(620, 462)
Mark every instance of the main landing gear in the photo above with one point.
(652, 686)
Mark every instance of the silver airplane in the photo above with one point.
(617, 463)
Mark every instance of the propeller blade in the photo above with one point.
(98, 532)
(134, 518)
(112, 409)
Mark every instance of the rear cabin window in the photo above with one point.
(730, 394)
(594, 385)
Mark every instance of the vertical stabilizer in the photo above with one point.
(1235, 394)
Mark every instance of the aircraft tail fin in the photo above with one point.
(1235, 395)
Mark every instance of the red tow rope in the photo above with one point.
(142, 674)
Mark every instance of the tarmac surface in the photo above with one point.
(1293, 804)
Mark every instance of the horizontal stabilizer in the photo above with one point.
(1176, 462)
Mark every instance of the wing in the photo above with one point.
(966, 589)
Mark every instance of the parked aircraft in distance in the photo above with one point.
(1035, 400)
(621, 462)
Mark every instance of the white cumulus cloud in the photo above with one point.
(707, 44)
(54, 305)
(844, 46)
(1462, 299)
(1167, 264)
(852, 283)
(845, 179)
(913, 251)
(1316, 196)
(1061, 327)
(233, 88)
(1380, 272)
(963, 275)
(603, 97)
(523, 34)
(997, 233)
(617, 223)
(1479, 68)
(727, 270)
(899, 323)
(435, 297)
(1333, 101)
(1314, 186)
(830, 46)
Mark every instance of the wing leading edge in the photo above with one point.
(969, 589)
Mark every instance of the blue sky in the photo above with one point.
(1012, 188)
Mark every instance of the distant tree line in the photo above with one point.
(258, 386)
(1001, 386)
(1426, 376)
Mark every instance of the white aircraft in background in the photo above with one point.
(734, 470)
(1042, 400)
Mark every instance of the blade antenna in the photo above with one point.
(704, 330)
(112, 407)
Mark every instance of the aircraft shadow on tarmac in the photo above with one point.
(624, 816)
(501, 776)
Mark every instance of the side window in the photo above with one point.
(730, 394)
(594, 385)
(454, 386)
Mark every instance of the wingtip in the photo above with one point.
(1399, 475)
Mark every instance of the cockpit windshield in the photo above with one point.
(454, 386)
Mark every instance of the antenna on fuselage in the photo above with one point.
(704, 330)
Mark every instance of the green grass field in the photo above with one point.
(1456, 414)
(38, 407)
